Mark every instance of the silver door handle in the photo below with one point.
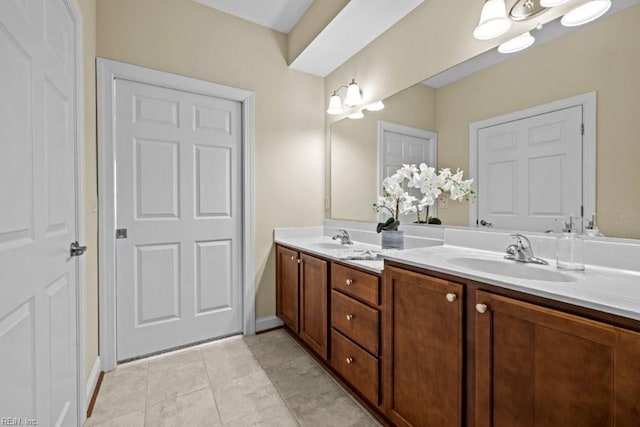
(76, 249)
(485, 223)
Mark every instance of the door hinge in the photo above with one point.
(581, 211)
(582, 129)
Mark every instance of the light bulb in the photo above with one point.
(335, 105)
(517, 44)
(585, 13)
(493, 20)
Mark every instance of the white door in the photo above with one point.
(178, 166)
(403, 145)
(530, 171)
(38, 276)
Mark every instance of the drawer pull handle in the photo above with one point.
(349, 316)
(349, 360)
(451, 297)
(482, 308)
(349, 282)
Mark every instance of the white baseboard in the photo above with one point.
(91, 383)
(269, 322)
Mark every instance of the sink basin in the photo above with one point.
(512, 269)
(332, 245)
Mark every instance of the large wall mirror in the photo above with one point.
(596, 66)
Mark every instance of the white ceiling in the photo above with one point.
(281, 15)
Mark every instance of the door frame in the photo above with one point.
(588, 103)
(108, 71)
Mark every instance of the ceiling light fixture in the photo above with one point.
(585, 13)
(517, 44)
(353, 98)
(493, 20)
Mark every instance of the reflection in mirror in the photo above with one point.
(601, 57)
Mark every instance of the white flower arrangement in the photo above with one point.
(396, 200)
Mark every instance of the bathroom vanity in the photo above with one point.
(426, 339)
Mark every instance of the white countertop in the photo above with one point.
(609, 290)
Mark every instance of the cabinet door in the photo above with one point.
(422, 349)
(540, 367)
(313, 303)
(287, 286)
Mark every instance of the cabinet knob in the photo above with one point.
(451, 297)
(349, 282)
(482, 308)
(349, 360)
(349, 316)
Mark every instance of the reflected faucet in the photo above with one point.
(343, 236)
(522, 251)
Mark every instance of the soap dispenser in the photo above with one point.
(592, 228)
(570, 248)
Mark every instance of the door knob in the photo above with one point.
(349, 316)
(76, 249)
(451, 297)
(481, 308)
(349, 360)
(349, 282)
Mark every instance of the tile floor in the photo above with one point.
(263, 380)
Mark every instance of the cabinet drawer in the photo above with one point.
(356, 320)
(357, 366)
(356, 283)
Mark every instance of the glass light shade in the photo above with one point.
(517, 44)
(354, 97)
(586, 13)
(357, 115)
(493, 20)
(375, 106)
(335, 105)
(552, 3)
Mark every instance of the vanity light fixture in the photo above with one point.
(493, 20)
(353, 98)
(585, 13)
(517, 44)
(375, 106)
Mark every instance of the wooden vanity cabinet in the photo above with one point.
(313, 304)
(287, 284)
(355, 329)
(301, 297)
(422, 349)
(535, 366)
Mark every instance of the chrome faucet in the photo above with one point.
(521, 251)
(343, 236)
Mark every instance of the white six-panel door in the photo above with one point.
(530, 171)
(37, 212)
(178, 171)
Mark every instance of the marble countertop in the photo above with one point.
(609, 290)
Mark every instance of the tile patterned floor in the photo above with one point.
(263, 380)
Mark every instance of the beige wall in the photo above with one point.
(88, 9)
(354, 150)
(602, 57)
(184, 37)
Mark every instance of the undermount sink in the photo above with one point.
(512, 269)
(332, 245)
